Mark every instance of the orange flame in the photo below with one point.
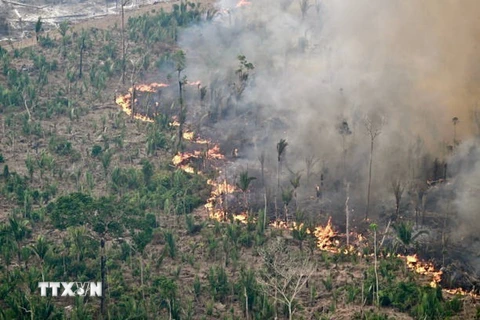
(243, 3)
(219, 189)
(125, 101)
(424, 268)
(325, 237)
(194, 83)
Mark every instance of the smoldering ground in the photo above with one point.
(407, 68)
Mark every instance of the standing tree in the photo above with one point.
(310, 162)
(243, 184)
(261, 159)
(398, 187)
(455, 122)
(63, 29)
(304, 6)
(180, 61)
(281, 147)
(243, 73)
(285, 274)
(287, 196)
(373, 131)
(295, 182)
(38, 28)
(344, 131)
(373, 227)
(124, 61)
(82, 45)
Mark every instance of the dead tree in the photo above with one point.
(123, 4)
(285, 274)
(373, 131)
(304, 6)
(310, 162)
(344, 131)
(455, 122)
(261, 159)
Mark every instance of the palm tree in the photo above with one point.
(78, 236)
(19, 230)
(40, 249)
(405, 235)
(243, 184)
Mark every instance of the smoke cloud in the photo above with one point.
(407, 67)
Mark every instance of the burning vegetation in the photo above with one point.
(305, 175)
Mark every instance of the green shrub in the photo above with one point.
(71, 210)
(60, 146)
(197, 287)
(171, 246)
(219, 285)
(192, 227)
(96, 150)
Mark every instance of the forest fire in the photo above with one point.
(125, 101)
(215, 204)
(325, 237)
(424, 268)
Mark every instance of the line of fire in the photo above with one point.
(230, 202)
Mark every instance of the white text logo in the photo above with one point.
(71, 289)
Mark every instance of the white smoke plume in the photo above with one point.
(411, 65)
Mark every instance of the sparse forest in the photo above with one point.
(132, 156)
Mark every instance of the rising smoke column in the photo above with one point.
(412, 63)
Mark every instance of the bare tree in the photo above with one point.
(455, 122)
(304, 6)
(476, 118)
(285, 273)
(398, 187)
(123, 4)
(347, 213)
(344, 130)
(310, 162)
(373, 130)
(318, 6)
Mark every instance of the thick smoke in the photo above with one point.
(409, 67)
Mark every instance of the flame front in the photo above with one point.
(424, 268)
(125, 101)
(325, 237)
(215, 204)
